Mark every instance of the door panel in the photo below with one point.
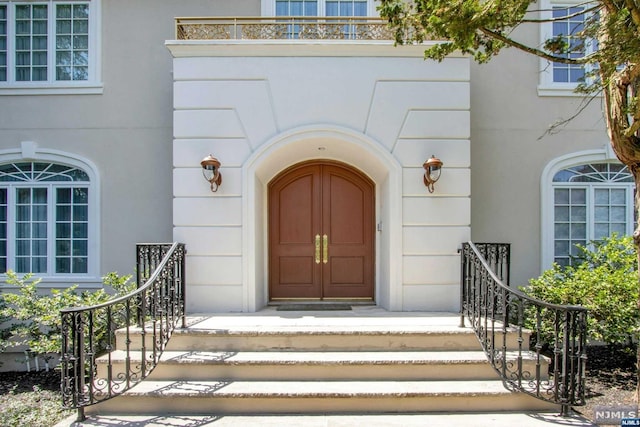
(321, 233)
(294, 203)
(348, 218)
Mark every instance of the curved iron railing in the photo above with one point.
(552, 366)
(109, 348)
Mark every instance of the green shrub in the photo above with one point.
(605, 282)
(35, 316)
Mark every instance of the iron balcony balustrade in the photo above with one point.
(558, 332)
(283, 28)
(144, 320)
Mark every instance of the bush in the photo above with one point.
(35, 317)
(605, 282)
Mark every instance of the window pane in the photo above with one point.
(39, 213)
(600, 231)
(63, 213)
(63, 230)
(23, 230)
(31, 26)
(578, 231)
(63, 195)
(601, 214)
(23, 265)
(39, 247)
(579, 213)
(80, 195)
(80, 231)
(40, 195)
(72, 42)
(81, 11)
(63, 11)
(80, 213)
(79, 265)
(63, 247)
(618, 214)
(618, 197)
(23, 248)
(3, 50)
(561, 196)
(80, 248)
(578, 196)
(562, 213)
(63, 265)
(62, 43)
(602, 196)
(561, 247)
(562, 231)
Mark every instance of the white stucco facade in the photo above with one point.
(260, 108)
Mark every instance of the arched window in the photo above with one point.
(45, 220)
(590, 201)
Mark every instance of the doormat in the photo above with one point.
(313, 307)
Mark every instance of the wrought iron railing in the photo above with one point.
(283, 27)
(498, 312)
(143, 321)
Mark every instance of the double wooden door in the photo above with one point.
(321, 233)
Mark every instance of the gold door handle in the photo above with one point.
(317, 249)
(325, 249)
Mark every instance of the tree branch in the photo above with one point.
(534, 51)
(563, 18)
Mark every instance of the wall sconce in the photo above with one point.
(211, 171)
(432, 169)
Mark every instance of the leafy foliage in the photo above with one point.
(35, 316)
(605, 282)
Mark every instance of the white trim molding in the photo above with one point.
(29, 151)
(546, 192)
(332, 143)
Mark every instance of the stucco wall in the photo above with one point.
(127, 130)
(511, 148)
(232, 99)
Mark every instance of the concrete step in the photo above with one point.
(317, 397)
(365, 361)
(273, 365)
(306, 339)
(484, 419)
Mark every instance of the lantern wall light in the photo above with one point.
(432, 169)
(211, 171)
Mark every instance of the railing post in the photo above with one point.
(183, 285)
(463, 281)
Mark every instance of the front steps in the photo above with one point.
(370, 362)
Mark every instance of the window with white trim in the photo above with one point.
(44, 219)
(590, 201)
(48, 43)
(557, 76)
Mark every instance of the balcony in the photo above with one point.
(283, 28)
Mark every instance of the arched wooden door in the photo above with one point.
(321, 233)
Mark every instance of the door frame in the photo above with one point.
(333, 143)
(353, 173)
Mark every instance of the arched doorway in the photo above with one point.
(321, 233)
